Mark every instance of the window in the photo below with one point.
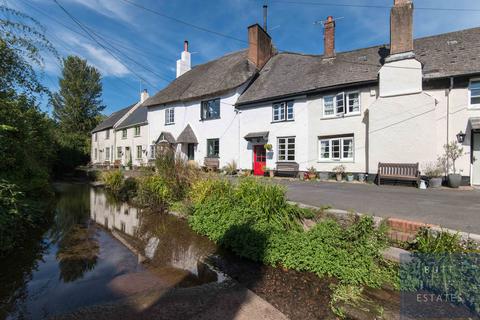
(139, 152)
(95, 136)
(107, 134)
(213, 148)
(124, 134)
(107, 153)
(475, 93)
(210, 109)
(169, 116)
(119, 152)
(152, 151)
(95, 153)
(282, 111)
(342, 103)
(122, 226)
(336, 148)
(137, 131)
(286, 149)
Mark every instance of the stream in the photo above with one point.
(99, 250)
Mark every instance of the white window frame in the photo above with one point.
(124, 133)
(341, 140)
(474, 105)
(170, 115)
(286, 149)
(135, 129)
(152, 154)
(119, 152)
(96, 137)
(95, 151)
(107, 134)
(345, 96)
(283, 107)
(107, 153)
(139, 148)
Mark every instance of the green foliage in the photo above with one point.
(154, 191)
(230, 168)
(427, 241)
(453, 151)
(255, 221)
(113, 180)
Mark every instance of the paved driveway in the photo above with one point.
(455, 209)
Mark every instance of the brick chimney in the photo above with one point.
(260, 48)
(184, 64)
(329, 38)
(401, 27)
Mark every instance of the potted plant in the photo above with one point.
(339, 171)
(361, 177)
(312, 173)
(349, 177)
(267, 146)
(453, 151)
(268, 171)
(434, 171)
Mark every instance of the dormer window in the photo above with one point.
(282, 111)
(343, 103)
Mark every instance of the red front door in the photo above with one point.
(259, 160)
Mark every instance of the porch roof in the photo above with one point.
(187, 136)
(257, 135)
(165, 136)
(475, 123)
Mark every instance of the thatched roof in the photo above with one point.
(165, 136)
(205, 80)
(187, 136)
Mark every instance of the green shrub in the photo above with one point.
(128, 189)
(230, 168)
(113, 180)
(154, 192)
(255, 221)
(427, 241)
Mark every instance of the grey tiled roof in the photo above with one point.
(211, 78)
(112, 119)
(254, 135)
(137, 117)
(187, 136)
(444, 55)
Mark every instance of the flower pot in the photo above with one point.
(435, 182)
(312, 176)
(361, 177)
(454, 180)
(339, 176)
(271, 173)
(323, 176)
(350, 177)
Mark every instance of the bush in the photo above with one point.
(230, 168)
(113, 180)
(255, 221)
(154, 192)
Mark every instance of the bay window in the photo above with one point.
(338, 148)
(343, 103)
(286, 149)
(282, 111)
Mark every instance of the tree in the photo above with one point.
(77, 109)
(78, 104)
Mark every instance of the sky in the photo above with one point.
(146, 45)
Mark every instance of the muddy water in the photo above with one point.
(99, 250)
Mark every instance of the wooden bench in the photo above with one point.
(211, 164)
(289, 168)
(398, 171)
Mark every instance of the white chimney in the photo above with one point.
(144, 95)
(184, 64)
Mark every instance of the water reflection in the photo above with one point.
(166, 244)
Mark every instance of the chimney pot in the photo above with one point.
(185, 46)
(329, 38)
(143, 95)
(260, 47)
(184, 64)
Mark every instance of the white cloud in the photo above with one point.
(115, 9)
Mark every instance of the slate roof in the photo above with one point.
(137, 117)
(112, 119)
(444, 55)
(255, 135)
(212, 78)
(187, 136)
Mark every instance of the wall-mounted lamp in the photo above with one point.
(461, 137)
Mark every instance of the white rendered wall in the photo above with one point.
(101, 144)
(400, 78)
(133, 141)
(225, 128)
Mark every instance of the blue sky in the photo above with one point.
(153, 43)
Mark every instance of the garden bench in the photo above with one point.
(398, 171)
(211, 164)
(289, 168)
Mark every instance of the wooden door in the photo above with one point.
(259, 160)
